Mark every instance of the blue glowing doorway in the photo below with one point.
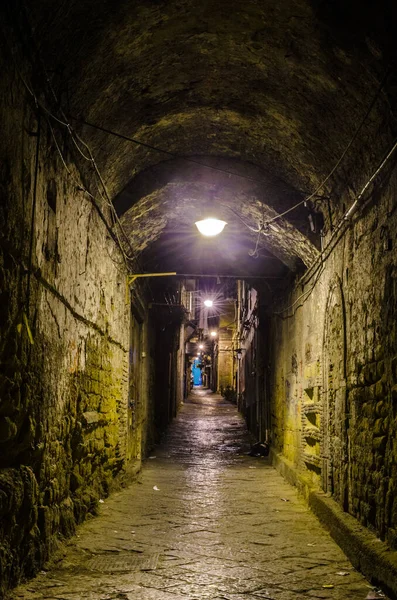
(197, 379)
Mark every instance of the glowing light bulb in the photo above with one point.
(201, 346)
(213, 333)
(208, 303)
(210, 227)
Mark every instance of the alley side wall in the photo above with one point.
(65, 421)
(334, 374)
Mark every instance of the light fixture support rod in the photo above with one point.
(133, 276)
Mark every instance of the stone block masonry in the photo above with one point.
(172, 536)
(334, 372)
(63, 398)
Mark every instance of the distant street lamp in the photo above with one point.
(208, 303)
(213, 333)
(210, 227)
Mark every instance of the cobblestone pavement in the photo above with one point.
(204, 520)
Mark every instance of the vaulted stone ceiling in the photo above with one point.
(267, 94)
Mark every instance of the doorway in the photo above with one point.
(196, 371)
(135, 404)
(335, 413)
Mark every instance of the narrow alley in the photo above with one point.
(203, 520)
(198, 253)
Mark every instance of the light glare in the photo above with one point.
(210, 227)
(208, 303)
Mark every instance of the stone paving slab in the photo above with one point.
(203, 521)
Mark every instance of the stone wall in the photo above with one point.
(225, 345)
(225, 361)
(65, 427)
(334, 376)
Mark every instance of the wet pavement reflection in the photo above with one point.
(204, 520)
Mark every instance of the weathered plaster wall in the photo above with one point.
(64, 398)
(334, 411)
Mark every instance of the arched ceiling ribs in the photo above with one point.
(275, 89)
(175, 195)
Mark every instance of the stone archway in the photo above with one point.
(335, 415)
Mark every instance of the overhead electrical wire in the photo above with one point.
(264, 224)
(305, 295)
(90, 158)
(248, 177)
(238, 216)
(42, 106)
(346, 219)
(79, 185)
(167, 152)
(196, 162)
(33, 218)
(76, 138)
(318, 265)
(113, 231)
(345, 151)
(254, 253)
(106, 197)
